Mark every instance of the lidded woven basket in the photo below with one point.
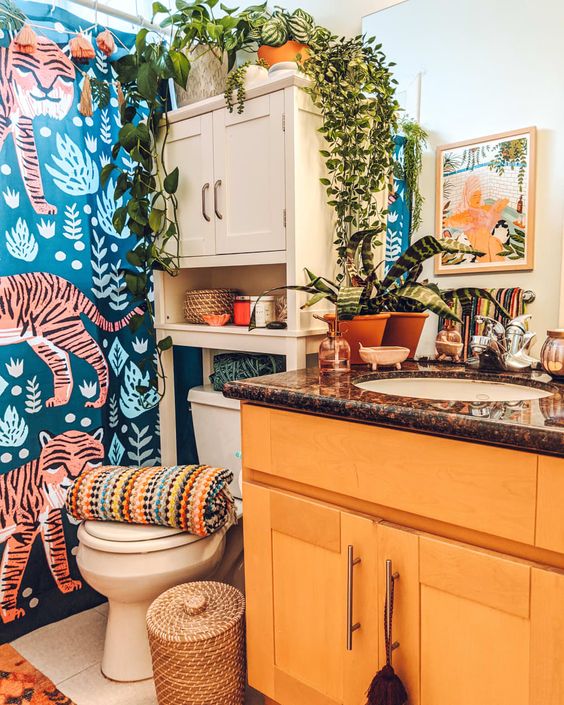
(197, 637)
(204, 302)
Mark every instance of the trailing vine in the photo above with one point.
(353, 87)
(235, 85)
(414, 146)
(150, 210)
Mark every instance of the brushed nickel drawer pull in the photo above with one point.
(216, 209)
(351, 628)
(205, 188)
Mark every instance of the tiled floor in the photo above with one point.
(74, 664)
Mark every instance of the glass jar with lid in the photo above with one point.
(552, 353)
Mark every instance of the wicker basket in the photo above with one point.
(197, 638)
(204, 302)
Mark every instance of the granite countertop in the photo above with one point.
(533, 425)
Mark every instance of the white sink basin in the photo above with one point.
(441, 389)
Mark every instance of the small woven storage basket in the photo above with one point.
(197, 637)
(204, 302)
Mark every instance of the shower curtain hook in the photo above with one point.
(95, 14)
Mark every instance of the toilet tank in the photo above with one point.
(217, 428)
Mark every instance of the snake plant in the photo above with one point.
(399, 289)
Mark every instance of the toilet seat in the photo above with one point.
(121, 537)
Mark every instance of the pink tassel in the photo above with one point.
(81, 49)
(26, 40)
(85, 106)
(105, 42)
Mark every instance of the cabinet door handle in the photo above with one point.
(205, 188)
(351, 562)
(389, 610)
(216, 209)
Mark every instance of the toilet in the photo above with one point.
(132, 564)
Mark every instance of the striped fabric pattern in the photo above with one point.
(194, 498)
(512, 299)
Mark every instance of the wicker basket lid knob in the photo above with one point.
(195, 604)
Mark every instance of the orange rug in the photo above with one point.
(22, 684)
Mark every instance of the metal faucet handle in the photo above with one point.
(492, 326)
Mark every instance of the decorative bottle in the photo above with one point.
(334, 351)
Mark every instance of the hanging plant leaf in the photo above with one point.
(171, 181)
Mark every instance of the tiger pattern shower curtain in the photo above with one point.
(70, 368)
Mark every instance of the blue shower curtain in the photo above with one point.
(65, 401)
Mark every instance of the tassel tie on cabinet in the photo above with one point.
(387, 688)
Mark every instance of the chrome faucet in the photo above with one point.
(503, 348)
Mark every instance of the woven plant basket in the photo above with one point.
(197, 637)
(204, 302)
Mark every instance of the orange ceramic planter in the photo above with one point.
(368, 330)
(286, 52)
(404, 330)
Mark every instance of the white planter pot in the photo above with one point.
(206, 78)
(255, 75)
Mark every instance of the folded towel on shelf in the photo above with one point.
(194, 498)
(513, 299)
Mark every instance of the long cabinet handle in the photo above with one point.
(205, 188)
(389, 610)
(216, 209)
(351, 628)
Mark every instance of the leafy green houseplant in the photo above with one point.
(235, 86)
(353, 88)
(198, 24)
(285, 36)
(415, 141)
(145, 194)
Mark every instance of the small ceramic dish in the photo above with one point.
(384, 356)
(217, 319)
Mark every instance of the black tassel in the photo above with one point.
(386, 688)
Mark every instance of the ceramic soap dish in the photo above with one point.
(384, 356)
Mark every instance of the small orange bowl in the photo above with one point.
(217, 319)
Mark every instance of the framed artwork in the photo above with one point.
(485, 198)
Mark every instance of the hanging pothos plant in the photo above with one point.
(410, 171)
(353, 88)
(149, 188)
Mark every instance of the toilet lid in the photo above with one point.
(120, 531)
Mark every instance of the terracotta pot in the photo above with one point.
(367, 330)
(286, 52)
(404, 330)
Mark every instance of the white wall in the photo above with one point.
(489, 67)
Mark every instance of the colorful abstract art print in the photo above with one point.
(485, 198)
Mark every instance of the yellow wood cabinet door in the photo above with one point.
(474, 626)
(296, 573)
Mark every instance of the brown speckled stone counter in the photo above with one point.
(534, 425)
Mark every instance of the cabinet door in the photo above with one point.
(249, 172)
(474, 626)
(296, 566)
(190, 147)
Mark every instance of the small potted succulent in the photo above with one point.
(285, 36)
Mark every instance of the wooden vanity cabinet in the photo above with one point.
(296, 573)
(475, 625)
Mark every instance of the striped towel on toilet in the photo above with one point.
(194, 498)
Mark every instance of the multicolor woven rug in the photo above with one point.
(22, 684)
